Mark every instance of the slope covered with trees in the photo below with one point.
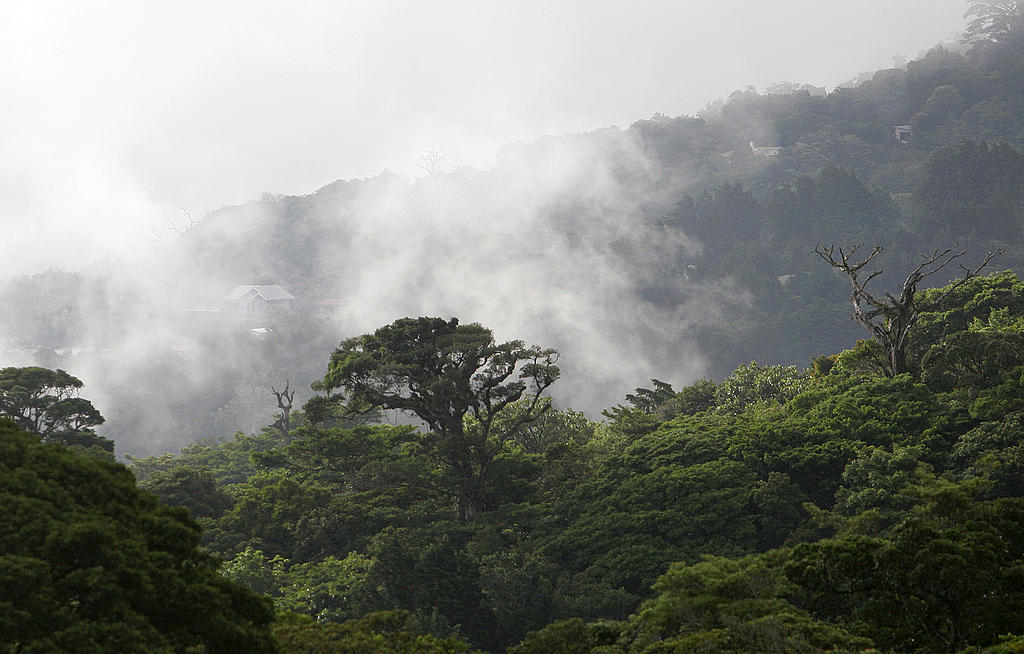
(842, 497)
(701, 247)
(829, 509)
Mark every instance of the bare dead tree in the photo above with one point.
(172, 226)
(284, 402)
(188, 224)
(890, 319)
(432, 161)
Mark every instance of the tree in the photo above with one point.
(432, 161)
(994, 21)
(191, 488)
(644, 415)
(719, 606)
(442, 372)
(90, 563)
(972, 189)
(284, 402)
(752, 384)
(385, 632)
(571, 636)
(890, 320)
(949, 576)
(46, 402)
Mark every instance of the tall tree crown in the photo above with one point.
(439, 370)
(995, 21)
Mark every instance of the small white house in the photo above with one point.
(765, 150)
(255, 300)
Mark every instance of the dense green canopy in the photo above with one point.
(774, 506)
(90, 563)
(829, 509)
(46, 402)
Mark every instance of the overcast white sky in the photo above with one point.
(113, 114)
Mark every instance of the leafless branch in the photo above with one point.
(172, 226)
(159, 239)
(889, 320)
(968, 274)
(432, 161)
(284, 402)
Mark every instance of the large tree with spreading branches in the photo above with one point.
(995, 21)
(46, 402)
(455, 378)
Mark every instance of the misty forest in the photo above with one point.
(749, 380)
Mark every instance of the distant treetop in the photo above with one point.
(995, 21)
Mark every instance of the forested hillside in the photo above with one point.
(669, 249)
(833, 508)
(641, 422)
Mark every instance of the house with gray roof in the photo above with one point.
(255, 300)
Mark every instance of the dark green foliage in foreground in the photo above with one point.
(947, 577)
(950, 576)
(723, 605)
(89, 563)
(387, 632)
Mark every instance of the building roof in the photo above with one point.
(270, 293)
(329, 302)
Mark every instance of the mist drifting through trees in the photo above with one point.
(601, 395)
